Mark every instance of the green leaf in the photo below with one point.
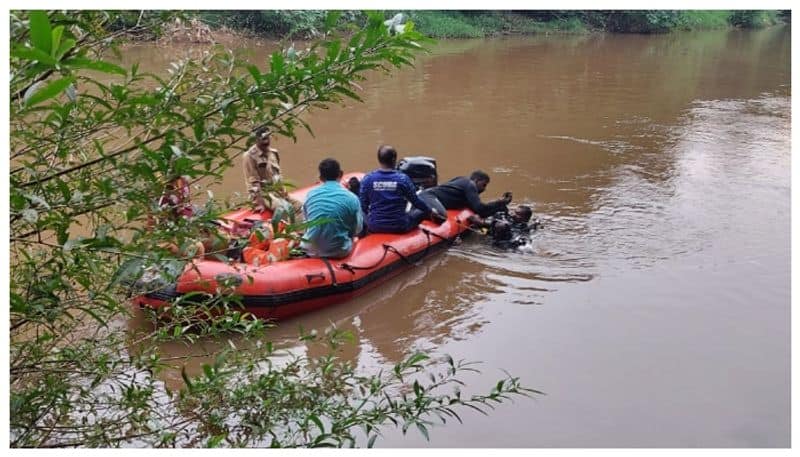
(277, 64)
(33, 54)
(255, 73)
(41, 33)
(98, 65)
(348, 92)
(33, 97)
(416, 358)
(128, 272)
(94, 315)
(422, 429)
(331, 19)
(56, 43)
(215, 441)
(313, 418)
(371, 441)
(68, 44)
(70, 244)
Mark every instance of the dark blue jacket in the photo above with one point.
(383, 198)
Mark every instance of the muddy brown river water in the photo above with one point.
(654, 307)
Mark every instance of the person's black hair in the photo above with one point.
(329, 169)
(479, 175)
(387, 156)
(527, 211)
(354, 185)
(262, 132)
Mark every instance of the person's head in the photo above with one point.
(176, 183)
(501, 231)
(329, 170)
(263, 138)
(387, 156)
(522, 214)
(481, 180)
(354, 185)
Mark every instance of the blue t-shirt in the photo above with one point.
(332, 239)
(383, 196)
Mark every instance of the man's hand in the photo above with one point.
(437, 216)
(475, 220)
(259, 205)
(507, 197)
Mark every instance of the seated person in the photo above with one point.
(174, 203)
(333, 203)
(462, 192)
(384, 193)
(177, 198)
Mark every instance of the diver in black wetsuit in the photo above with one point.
(508, 230)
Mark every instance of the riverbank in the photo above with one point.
(478, 24)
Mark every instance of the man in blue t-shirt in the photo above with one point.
(331, 201)
(384, 193)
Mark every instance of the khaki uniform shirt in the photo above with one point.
(265, 168)
(260, 168)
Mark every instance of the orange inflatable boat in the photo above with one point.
(298, 285)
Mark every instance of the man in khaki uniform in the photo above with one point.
(262, 168)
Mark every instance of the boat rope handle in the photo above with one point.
(311, 276)
(429, 233)
(352, 268)
(330, 269)
(399, 254)
(386, 249)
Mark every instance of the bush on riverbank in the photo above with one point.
(278, 23)
(482, 23)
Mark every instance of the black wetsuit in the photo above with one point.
(516, 234)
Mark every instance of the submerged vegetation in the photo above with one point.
(477, 23)
(93, 144)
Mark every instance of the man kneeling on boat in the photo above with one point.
(463, 192)
(384, 193)
(338, 211)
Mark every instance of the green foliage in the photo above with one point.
(93, 144)
(705, 19)
(445, 24)
(476, 24)
(660, 21)
(754, 18)
(281, 23)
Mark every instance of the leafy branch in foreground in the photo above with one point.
(93, 143)
(323, 402)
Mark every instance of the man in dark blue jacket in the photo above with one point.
(463, 192)
(384, 193)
